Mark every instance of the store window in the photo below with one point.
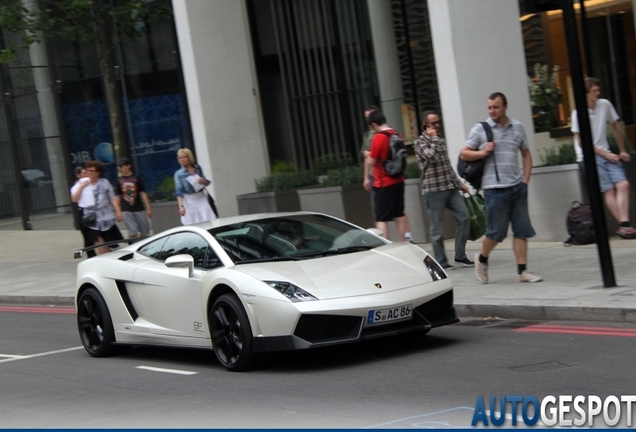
(608, 49)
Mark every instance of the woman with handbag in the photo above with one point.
(98, 217)
(194, 202)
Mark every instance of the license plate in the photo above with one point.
(391, 314)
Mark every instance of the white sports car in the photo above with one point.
(258, 283)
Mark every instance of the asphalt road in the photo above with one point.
(48, 380)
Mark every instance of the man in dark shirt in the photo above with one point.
(131, 191)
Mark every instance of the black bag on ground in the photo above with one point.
(580, 225)
(473, 171)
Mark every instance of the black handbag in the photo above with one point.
(89, 219)
(473, 171)
(212, 203)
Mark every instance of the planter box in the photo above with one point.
(268, 202)
(351, 203)
(550, 193)
(165, 215)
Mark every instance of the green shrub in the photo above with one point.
(344, 176)
(280, 166)
(286, 181)
(164, 190)
(562, 155)
(412, 170)
(328, 162)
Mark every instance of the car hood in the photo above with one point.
(380, 270)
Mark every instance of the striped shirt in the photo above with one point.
(437, 172)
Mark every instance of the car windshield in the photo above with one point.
(292, 238)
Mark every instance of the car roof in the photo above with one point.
(246, 218)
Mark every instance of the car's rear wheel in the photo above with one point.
(94, 324)
(231, 333)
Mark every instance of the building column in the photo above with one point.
(479, 50)
(387, 63)
(222, 92)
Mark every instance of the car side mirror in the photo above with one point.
(181, 261)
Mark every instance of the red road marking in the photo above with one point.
(580, 330)
(38, 309)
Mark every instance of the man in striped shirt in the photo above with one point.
(441, 189)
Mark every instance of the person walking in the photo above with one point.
(367, 179)
(190, 184)
(134, 202)
(388, 191)
(506, 194)
(613, 183)
(80, 175)
(442, 189)
(99, 192)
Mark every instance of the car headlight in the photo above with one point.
(436, 271)
(291, 291)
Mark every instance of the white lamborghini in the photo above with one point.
(257, 283)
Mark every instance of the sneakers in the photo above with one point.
(465, 262)
(448, 267)
(481, 270)
(626, 232)
(528, 276)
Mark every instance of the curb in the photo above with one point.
(548, 313)
(37, 300)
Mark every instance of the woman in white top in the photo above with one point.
(96, 196)
(190, 184)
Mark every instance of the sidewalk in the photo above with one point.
(38, 268)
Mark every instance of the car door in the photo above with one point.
(172, 297)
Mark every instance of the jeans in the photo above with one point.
(437, 202)
(508, 206)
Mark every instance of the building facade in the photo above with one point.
(246, 83)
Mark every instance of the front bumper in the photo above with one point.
(319, 330)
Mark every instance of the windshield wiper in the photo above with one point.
(270, 259)
(339, 251)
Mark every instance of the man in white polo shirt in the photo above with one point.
(614, 184)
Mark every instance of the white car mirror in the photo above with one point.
(181, 261)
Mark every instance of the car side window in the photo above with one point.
(193, 245)
(154, 249)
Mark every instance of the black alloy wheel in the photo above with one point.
(231, 333)
(94, 324)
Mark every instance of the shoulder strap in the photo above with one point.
(490, 138)
(488, 130)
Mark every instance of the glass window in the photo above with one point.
(183, 243)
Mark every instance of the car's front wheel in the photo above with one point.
(94, 324)
(231, 333)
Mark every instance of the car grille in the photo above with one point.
(437, 311)
(327, 328)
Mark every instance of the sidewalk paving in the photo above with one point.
(38, 268)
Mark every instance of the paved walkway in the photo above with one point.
(37, 267)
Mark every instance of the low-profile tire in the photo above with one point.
(231, 333)
(94, 324)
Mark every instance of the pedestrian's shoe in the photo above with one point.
(465, 262)
(528, 276)
(626, 232)
(481, 270)
(448, 267)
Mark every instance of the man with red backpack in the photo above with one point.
(388, 189)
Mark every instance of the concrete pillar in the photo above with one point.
(479, 50)
(44, 86)
(387, 64)
(222, 91)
